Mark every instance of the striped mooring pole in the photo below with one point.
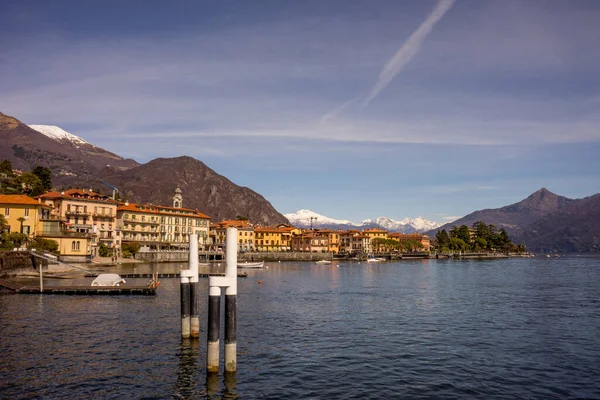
(229, 283)
(190, 322)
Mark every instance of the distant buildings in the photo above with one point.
(82, 221)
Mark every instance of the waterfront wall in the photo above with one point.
(15, 262)
(182, 256)
(284, 256)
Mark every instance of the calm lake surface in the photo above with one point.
(516, 328)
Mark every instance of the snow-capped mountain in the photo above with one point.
(302, 219)
(58, 134)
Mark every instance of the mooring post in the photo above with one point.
(214, 322)
(215, 283)
(185, 304)
(193, 267)
(41, 280)
(230, 302)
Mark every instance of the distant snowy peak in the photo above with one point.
(58, 134)
(302, 219)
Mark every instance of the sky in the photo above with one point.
(352, 109)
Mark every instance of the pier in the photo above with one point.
(79, 290)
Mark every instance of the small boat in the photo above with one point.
(374, 259)
(324, 262)
(253, 265)
(108, 280)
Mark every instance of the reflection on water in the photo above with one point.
(523, 328)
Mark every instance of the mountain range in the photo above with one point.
(544, 222)
(77, 163)
(307, 218)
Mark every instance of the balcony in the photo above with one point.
(101, 215)
(77, 212)
(80, 226)
(148, 222)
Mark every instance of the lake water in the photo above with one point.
(515, 328)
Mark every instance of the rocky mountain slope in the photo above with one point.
(77, 163)
(544, 221)
(71, 161)
(302, 218)
(202, 188)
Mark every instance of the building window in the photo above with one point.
(6, 212)
(27, 212)
(73, 246)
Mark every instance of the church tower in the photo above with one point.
(177, 199)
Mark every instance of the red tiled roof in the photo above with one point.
(152, 209)
(20, 199)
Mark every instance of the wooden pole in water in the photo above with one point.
(41, 280)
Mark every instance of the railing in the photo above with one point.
(81, 226)
(148, 222)
(65, 234)
(76, 212)
(101, 215)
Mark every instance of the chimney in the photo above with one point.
(126, 203)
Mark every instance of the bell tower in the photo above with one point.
(177, 199)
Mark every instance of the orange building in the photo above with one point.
(420, 238)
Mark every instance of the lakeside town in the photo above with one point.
(85, 224)
(82, 225)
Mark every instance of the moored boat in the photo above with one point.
(324, 262)
(253, 265)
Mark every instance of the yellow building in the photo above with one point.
(22, 213)
(86, 211)
(245, 237)
(374, 233)
(34, 218)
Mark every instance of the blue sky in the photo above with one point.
(353, 109)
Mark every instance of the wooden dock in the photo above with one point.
(79, 290)
(165, 276)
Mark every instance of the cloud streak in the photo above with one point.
(408, 50)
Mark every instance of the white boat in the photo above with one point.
(253, 265)
(373, 259)
(324, 262)
(108, 280)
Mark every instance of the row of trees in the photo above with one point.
(389, 245)
(33, 183)
(480, 237)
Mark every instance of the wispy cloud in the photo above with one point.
(450, 218)
(408, 50)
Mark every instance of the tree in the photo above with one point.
(6, 168)
(130, 248)
(441, 239)
(45, 175)
(11, 240)
(457, 244)
(21, 220)
(44, 244)
(241, 218)
(103, 250)
(3, 222)
(30, 184)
